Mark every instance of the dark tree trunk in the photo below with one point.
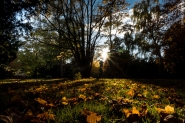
(85, 67)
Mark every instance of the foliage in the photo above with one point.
(174, 57)
(97, 69)
(93, 100)
(150, 27)
(48, 77)
(77, 75)
(12, 28)
(35, 60)
(78, 25)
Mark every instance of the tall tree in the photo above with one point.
(147, 16)
(78, 24)
(174, 43)
(114, 21)
(12, 25)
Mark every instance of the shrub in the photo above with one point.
(48, 77)
(77, 75)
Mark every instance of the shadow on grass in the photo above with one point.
(28, 83)
(165, 83)
(31, 89)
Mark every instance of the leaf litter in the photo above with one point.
(127, 100)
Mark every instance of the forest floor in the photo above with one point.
(92, 101)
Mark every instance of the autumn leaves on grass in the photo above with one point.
(111, 100)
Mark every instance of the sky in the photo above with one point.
(132, 2)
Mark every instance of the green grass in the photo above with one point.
(107, 98)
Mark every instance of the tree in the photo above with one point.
(38, 60)
(12, 26)
(116, 12)
(174, 43)
(78, 24)
(149, 21)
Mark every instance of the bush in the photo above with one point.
(77, 75)
(48, 77)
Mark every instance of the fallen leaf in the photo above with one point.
(168, 109)
(82, 89)
(72, 99)
(91, 117)
(81, 96)
(139, 95)
(64, 103)
(127, 112)
(156, 97)
(50, 105)
(131, 93)
(64, 99)
(135, 111)
(41, 101)
(14, 98)
(46, 116)
(29, 114)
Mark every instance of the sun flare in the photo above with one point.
(104, 54)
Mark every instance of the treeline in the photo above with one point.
(62, 41)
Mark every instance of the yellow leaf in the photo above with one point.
(46, 116)
(131, 93)
(91, 116)
(50, 105)
(82, 89)
(38, 89)
(127, 112)
(156, 97)
(81, 96)
(41, 101)
(135, 111)
(139, 95)
(86, 85)
(168, 109)
(64, 99)
(160, 110)
(64, 103)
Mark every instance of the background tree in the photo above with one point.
(12, 26)
(79, 25)
(38, 60)
(148, 21)
(116, 12)
(174, 50)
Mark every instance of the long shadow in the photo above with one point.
(16, 84)
(166, 83)
(8, 90)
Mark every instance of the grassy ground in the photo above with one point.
(92, 100)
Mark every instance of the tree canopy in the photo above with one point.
(71, 30)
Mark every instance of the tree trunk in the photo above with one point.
(85, 68)
(86, 72)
